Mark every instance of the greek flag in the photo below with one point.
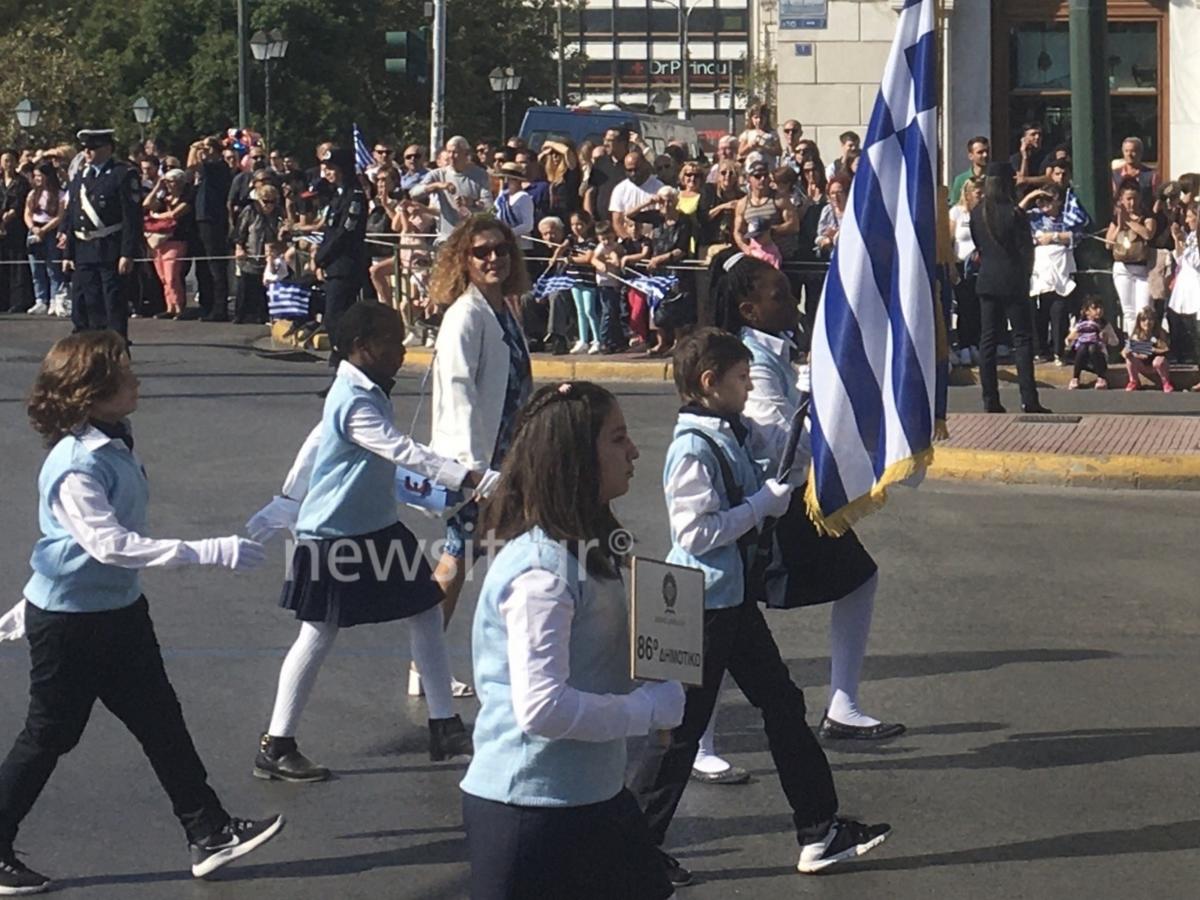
(656, 288)
(874, 378)
(362, 153)
(287, 300)
(550, 283)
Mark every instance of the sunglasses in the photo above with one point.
(500, 251)
(383, 150)
(758, 174)
(412, 155)
(789, 131)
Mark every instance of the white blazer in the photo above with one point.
(470, 378)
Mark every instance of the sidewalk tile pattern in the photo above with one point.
(1098, 435)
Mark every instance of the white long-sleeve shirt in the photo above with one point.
(694, 508)
(538, 611)
(377, 434)
(770, 409)
(82, 508)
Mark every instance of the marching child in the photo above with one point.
(544, 802)
(345, 570)
(1090, 339)
(1145, 353)
(717, 500)
(86, 618)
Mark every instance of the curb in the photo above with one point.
(1052, 376)
(545, 368)
(1067, 470)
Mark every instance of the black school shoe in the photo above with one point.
(449, 738)
(17, 879)
(676, 874)
(846, 839)
(830, 730)
(236, 839)
(279, 759)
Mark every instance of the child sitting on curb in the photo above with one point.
(1090, 339)
(1145, 353)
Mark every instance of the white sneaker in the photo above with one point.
(579, 347)
(430, 341)
(54, 306)
(594, 348)
(411, 340)
(64, 306)
(38, 309)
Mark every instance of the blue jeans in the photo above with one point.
(612, 336)
(587, 312)
(45, 262)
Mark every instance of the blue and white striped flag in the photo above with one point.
(657, 288)
(873, 348)
(287, 300)
(551, 283)
(362, 153)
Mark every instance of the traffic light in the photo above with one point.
(412, 55)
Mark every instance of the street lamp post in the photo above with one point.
(266, 46)
(27, 113)
(143, 113)
(685, 15)
(504, 82)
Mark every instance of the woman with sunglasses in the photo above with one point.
(481, 373)
(718, 203)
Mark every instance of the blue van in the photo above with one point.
(588, 123)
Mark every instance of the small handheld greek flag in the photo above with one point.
(362, 153)
(657, 288)
(287, 300)
(549, 284)
(874, 378)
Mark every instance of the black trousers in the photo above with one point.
(250, 303)
(113, 657)
(212, 275)
(601, 851)
(340, 294)
(1093, 357)
(149, 301)
(738, 640)
(967, 303)
(99, 300)
(16, 281)
(1018, 309)
(1051, 325)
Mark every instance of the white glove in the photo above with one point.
(232, 552)
(770, 501)
(12, 623)
(280, 513)
(487, 483)
(667, 705)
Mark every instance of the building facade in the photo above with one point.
(1007, 63)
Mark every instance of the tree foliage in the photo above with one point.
(85, 63)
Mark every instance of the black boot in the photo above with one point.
(280, 759)
(449, 738)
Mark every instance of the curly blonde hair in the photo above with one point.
(79, 371)
(451, 269)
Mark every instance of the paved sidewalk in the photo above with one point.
(1073, 450)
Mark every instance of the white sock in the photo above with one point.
(707, 760)
(298, 675)
(849, 629)
(428, 641)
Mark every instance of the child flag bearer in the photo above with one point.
(87, 621)
(717, 499)
(354, 563)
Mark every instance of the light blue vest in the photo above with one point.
(724, 569)
(511, 766)
(65, 578)
(351, 490)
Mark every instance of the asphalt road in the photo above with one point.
(1042, 645)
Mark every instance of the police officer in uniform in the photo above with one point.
(341, 257)
(103, 232)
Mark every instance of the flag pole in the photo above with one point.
(945, 247)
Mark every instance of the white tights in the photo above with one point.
(849, 629)
(303, 661)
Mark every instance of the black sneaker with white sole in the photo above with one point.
(676, 874)
(18, 880)
(237, 838)
(846, 839)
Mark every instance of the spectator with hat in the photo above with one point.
(513, 205)
(103, 233)
(169, 224)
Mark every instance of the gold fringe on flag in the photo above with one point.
(838, 522)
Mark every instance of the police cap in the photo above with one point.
(342, 158)
(96, 137)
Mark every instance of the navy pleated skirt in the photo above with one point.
(376, 577)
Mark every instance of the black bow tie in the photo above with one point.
(115, 430)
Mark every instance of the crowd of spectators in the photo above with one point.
(615, 237)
